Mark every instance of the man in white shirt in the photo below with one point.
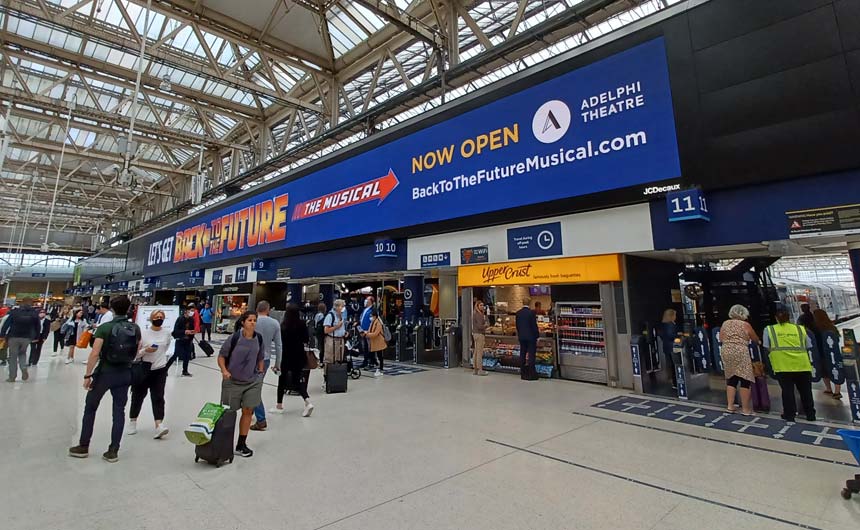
(334, 325)
(105, 315)
(364, 326)
(270, 330)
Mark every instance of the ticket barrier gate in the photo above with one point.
(689, 374)
(404, 348)
(851, 365)
(452, 347)
(644, 351)
(419, 345)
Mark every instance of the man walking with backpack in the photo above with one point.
(109, 369)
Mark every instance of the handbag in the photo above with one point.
(56, 325)
(139, 371)
(311, 362)
(84, 340)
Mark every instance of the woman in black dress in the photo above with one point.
(293, 365)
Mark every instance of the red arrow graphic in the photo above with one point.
(373, 190)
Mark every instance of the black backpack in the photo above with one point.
(121, 346)
(319, 328)
(234, 339)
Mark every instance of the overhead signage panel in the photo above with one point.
(535, 241)
(470, 255)
(605, 126)
(833, 221)
(589, 269)
(439, 259)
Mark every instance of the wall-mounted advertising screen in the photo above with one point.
(605, 126)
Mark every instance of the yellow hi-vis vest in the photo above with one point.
(788, 348)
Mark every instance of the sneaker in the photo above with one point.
(482, 372)
(309, 409)
(378, 373)
(79, 451)
(132, 428)
(260, 426)
(10, 380)
(84, 360)
(25, 375)
(187, 375)
(276, 410)
(244, 451)
(111, 455)
(161, 432)
(54, 354)
(69, 361)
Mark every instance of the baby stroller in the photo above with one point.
(351, 347)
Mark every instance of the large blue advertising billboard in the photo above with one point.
(605, 126)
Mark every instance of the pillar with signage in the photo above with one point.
(294, 293)
(327, 294)
(413, 296)
(850, 350)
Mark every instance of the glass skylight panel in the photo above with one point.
(366, 17)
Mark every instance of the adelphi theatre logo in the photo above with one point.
(551, 121)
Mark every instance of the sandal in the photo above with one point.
(748, 414)
(731, 411)
(828, 392)
(837, 395)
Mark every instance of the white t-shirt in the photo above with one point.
(160, 338)
(104, 319)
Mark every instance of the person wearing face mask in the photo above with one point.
(153, 354)
(364, 327)
(184, 331)
(44, 333)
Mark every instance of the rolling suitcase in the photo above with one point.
(760, 395)
(219, 450)
(336, 378)
(207, 348)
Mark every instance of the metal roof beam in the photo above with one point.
(151, 131)
(170, 59)
(120, 81)
(406, 22)
(102, 156)
(231, 29)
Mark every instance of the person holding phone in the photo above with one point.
(154, 343)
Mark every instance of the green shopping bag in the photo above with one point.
(200, 430)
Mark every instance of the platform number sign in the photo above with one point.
(385, 248)
(687, 205)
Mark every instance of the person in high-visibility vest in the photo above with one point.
(789, 346)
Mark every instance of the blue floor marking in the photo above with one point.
(763, 426)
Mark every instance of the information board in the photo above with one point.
(833, 221)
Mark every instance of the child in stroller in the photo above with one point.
(352, 349)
